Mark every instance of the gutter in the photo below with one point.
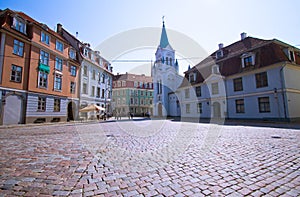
(282, 90)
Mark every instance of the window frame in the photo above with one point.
(45, 38)
(188, 108)
(264, 106)
(57, 82)
(16, 74)
(59, 46)
(44, 57)
(199, 108)
(72, 87)
(42, 103)
(43, 79)
(58, 64)
(238, 84)
(240, 106)
(56, 104)
(215, 88)
(198, 91)
(261, 79)
(73, 70)
(18, 48)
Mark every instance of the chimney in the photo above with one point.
(221, 45)
(76, 34)
(59, 28)
(243, 35)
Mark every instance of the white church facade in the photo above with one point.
(166, 79)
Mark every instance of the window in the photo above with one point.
(41, 104)
(192, 77)
(85, 52)
(239, 106)
(45, 38)
(43, 79)
(72, 87)
(58, 64)
(102, 96)
(198, 91)
(72, 54)
(150, 101)
(59, 46)
(85, 72)
(73, 70)
(94, 75)
(93, 91)
(84, 88)
(136, 92)
(18, 48)
(123, 83)
(44, 57)
(135, 101)
(248, 61)
(261, 80)
(57, 82)
(19, 25)
(131, 101)
(291, 55)
(16, 73)
(199, 108)
(215, 88)
(187, 108)
(264, 104)
(187, 93)
(103, 78)
(56, 105)
(215, 69)
(142, 93)
(98, 92)
(219, 54)
(142, 101)
(238, 84)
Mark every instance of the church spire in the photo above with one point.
(164, 42)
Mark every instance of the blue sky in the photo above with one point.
(207, 22)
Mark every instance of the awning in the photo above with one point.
(92, 107)
(44, 68)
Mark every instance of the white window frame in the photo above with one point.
(247, 55)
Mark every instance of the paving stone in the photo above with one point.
(79, 160)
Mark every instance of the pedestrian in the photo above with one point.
(131, 115)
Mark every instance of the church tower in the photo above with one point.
(165, 77)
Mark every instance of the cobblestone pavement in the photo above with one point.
(149, 158)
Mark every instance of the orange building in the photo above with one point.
(38, 72)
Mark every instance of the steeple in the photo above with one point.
(164, 42)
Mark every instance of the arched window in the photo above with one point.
(167, 60)
(171, 61)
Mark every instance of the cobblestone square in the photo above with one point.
(149, 158)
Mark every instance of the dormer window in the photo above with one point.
(215, 69)
(19, 25)
(192, 77)
(85, 52)
(291, 55)
(248, 60)
(219, 54)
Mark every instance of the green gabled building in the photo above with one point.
(132, 93)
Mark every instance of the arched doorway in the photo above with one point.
(159, 108)
(216, 110)
(71, 111)
(12, 110)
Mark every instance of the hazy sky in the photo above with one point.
(207, 22)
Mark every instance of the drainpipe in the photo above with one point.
(282, 90)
